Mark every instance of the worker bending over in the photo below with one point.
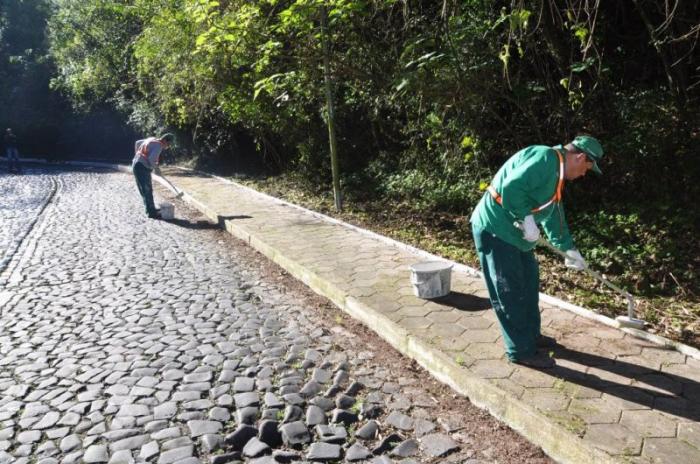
(527, 191)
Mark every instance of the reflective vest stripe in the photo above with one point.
(143, 149)
(556, 198)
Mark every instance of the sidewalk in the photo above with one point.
(611, 397)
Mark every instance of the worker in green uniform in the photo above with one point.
(527, 191)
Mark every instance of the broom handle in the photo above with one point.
(170, 183)
(591, 272)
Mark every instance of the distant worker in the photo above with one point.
(146, 159)
(11, 151)
(527, 191)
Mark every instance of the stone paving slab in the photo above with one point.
(610, 397)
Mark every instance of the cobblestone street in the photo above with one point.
(124, 339)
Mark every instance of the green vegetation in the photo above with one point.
(430, 98)
(43, 120)
(357, 407)
(571, 422)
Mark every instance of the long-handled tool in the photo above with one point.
(624, 321)
(180, 193)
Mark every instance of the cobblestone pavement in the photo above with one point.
(20, 205)
(124, 339)
(610, 396)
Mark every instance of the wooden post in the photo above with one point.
(335, 169)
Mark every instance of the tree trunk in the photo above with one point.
(335, 169)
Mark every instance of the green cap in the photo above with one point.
(168, 137)
(592, 148)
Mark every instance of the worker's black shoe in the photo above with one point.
(538, 360)
(545, 342)
(155, 216)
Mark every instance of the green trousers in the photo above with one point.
(145, 185)
(513, 281)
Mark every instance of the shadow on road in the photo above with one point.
(198, 225)
(643, 386)
(463, 302)
(223, 219)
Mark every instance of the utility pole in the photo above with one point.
(335, 169)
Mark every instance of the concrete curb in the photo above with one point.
(458, 267)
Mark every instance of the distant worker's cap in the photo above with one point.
(592, 148)
(168, 137)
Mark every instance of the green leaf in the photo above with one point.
(504, 54)
(519, 19)
(582, 66)
(257, 92)
(581, 33)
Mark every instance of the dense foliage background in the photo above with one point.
(431, 97)
(43, 119)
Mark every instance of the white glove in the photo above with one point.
(531, 232)
(575, 260)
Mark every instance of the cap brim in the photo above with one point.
(595, 167)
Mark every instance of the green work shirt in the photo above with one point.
(526, 181)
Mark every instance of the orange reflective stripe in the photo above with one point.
(556, 198)
(494, 194)
(143, 149)
(558, 192)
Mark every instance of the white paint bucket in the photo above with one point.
(431, 279)
(167, 210)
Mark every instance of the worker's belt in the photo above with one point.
(556, 198)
